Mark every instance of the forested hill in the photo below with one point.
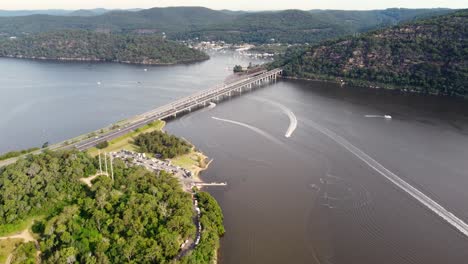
(137, 216)
(292, 26)
(90, 46)
(429, 56)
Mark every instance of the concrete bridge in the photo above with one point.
(187, 104)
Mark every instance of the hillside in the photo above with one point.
(428, 56)
(295, 26)
(58, 12)
(137, 216)
(292, 26)
(88, 46)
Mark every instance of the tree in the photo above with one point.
(102, 145)
(238, 68)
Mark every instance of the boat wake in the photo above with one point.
(255, 129)
(379, 116)
(287, 111)
(449, 217)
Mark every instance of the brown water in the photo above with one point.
(306, 199)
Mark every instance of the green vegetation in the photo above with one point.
(126, 141)
(289, 26)
(25, 253)
(427, 56)
(89, 46)
(162, 144)
(41, 183)
(270, 48)
(103, 145)
(7, 246)
(14, 154)
(193, 161)
(238, 69)
(211, 220)
(9, 229)
(140, 217)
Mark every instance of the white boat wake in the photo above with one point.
(449, 217)
(379, 116)
(287, 111)
(212, 105)
(255, 129)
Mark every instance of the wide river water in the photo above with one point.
(307, 198)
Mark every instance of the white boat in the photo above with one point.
(145, 70)
(388, 116)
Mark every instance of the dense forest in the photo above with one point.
(89, 46)
(41, 183)
(428, 56)
(181, 23)
(14, 154)
(140, 217)
(161, 144)
(211, 220)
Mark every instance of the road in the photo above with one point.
(172, 109)
(188, 103)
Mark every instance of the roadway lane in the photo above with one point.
(174, 108)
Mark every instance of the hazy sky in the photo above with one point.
(231, 4)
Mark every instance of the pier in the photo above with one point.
(202, 184)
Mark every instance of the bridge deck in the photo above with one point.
(188, 103)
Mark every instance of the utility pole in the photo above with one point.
(105, 162)
(100, 164)
(112, 167)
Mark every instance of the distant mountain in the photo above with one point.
(291, 26)
(359, 21)
(428, 56)
(53, 12)
(59, 12)
(296, 26)
(77, 45)
(89, 12)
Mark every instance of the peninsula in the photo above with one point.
(77, 45)
(75, 210)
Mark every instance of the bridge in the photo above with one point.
(187, 104)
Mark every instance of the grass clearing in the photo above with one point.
(10, 229)
(193, 161)
(7, 246)
(124, 142)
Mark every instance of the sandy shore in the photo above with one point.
(203, 164)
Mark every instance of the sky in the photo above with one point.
(231, 4)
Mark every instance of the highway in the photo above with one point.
(188, 103)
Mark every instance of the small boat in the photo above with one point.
(388, 116)
(98, 83)
(145, 70)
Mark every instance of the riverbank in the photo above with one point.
(364, 84)
(78, 45)
(148, 62)
(195, 161)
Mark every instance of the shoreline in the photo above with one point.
(199, 165)
(370, 85)
(96, 60)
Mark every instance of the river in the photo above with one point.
(297, 192)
